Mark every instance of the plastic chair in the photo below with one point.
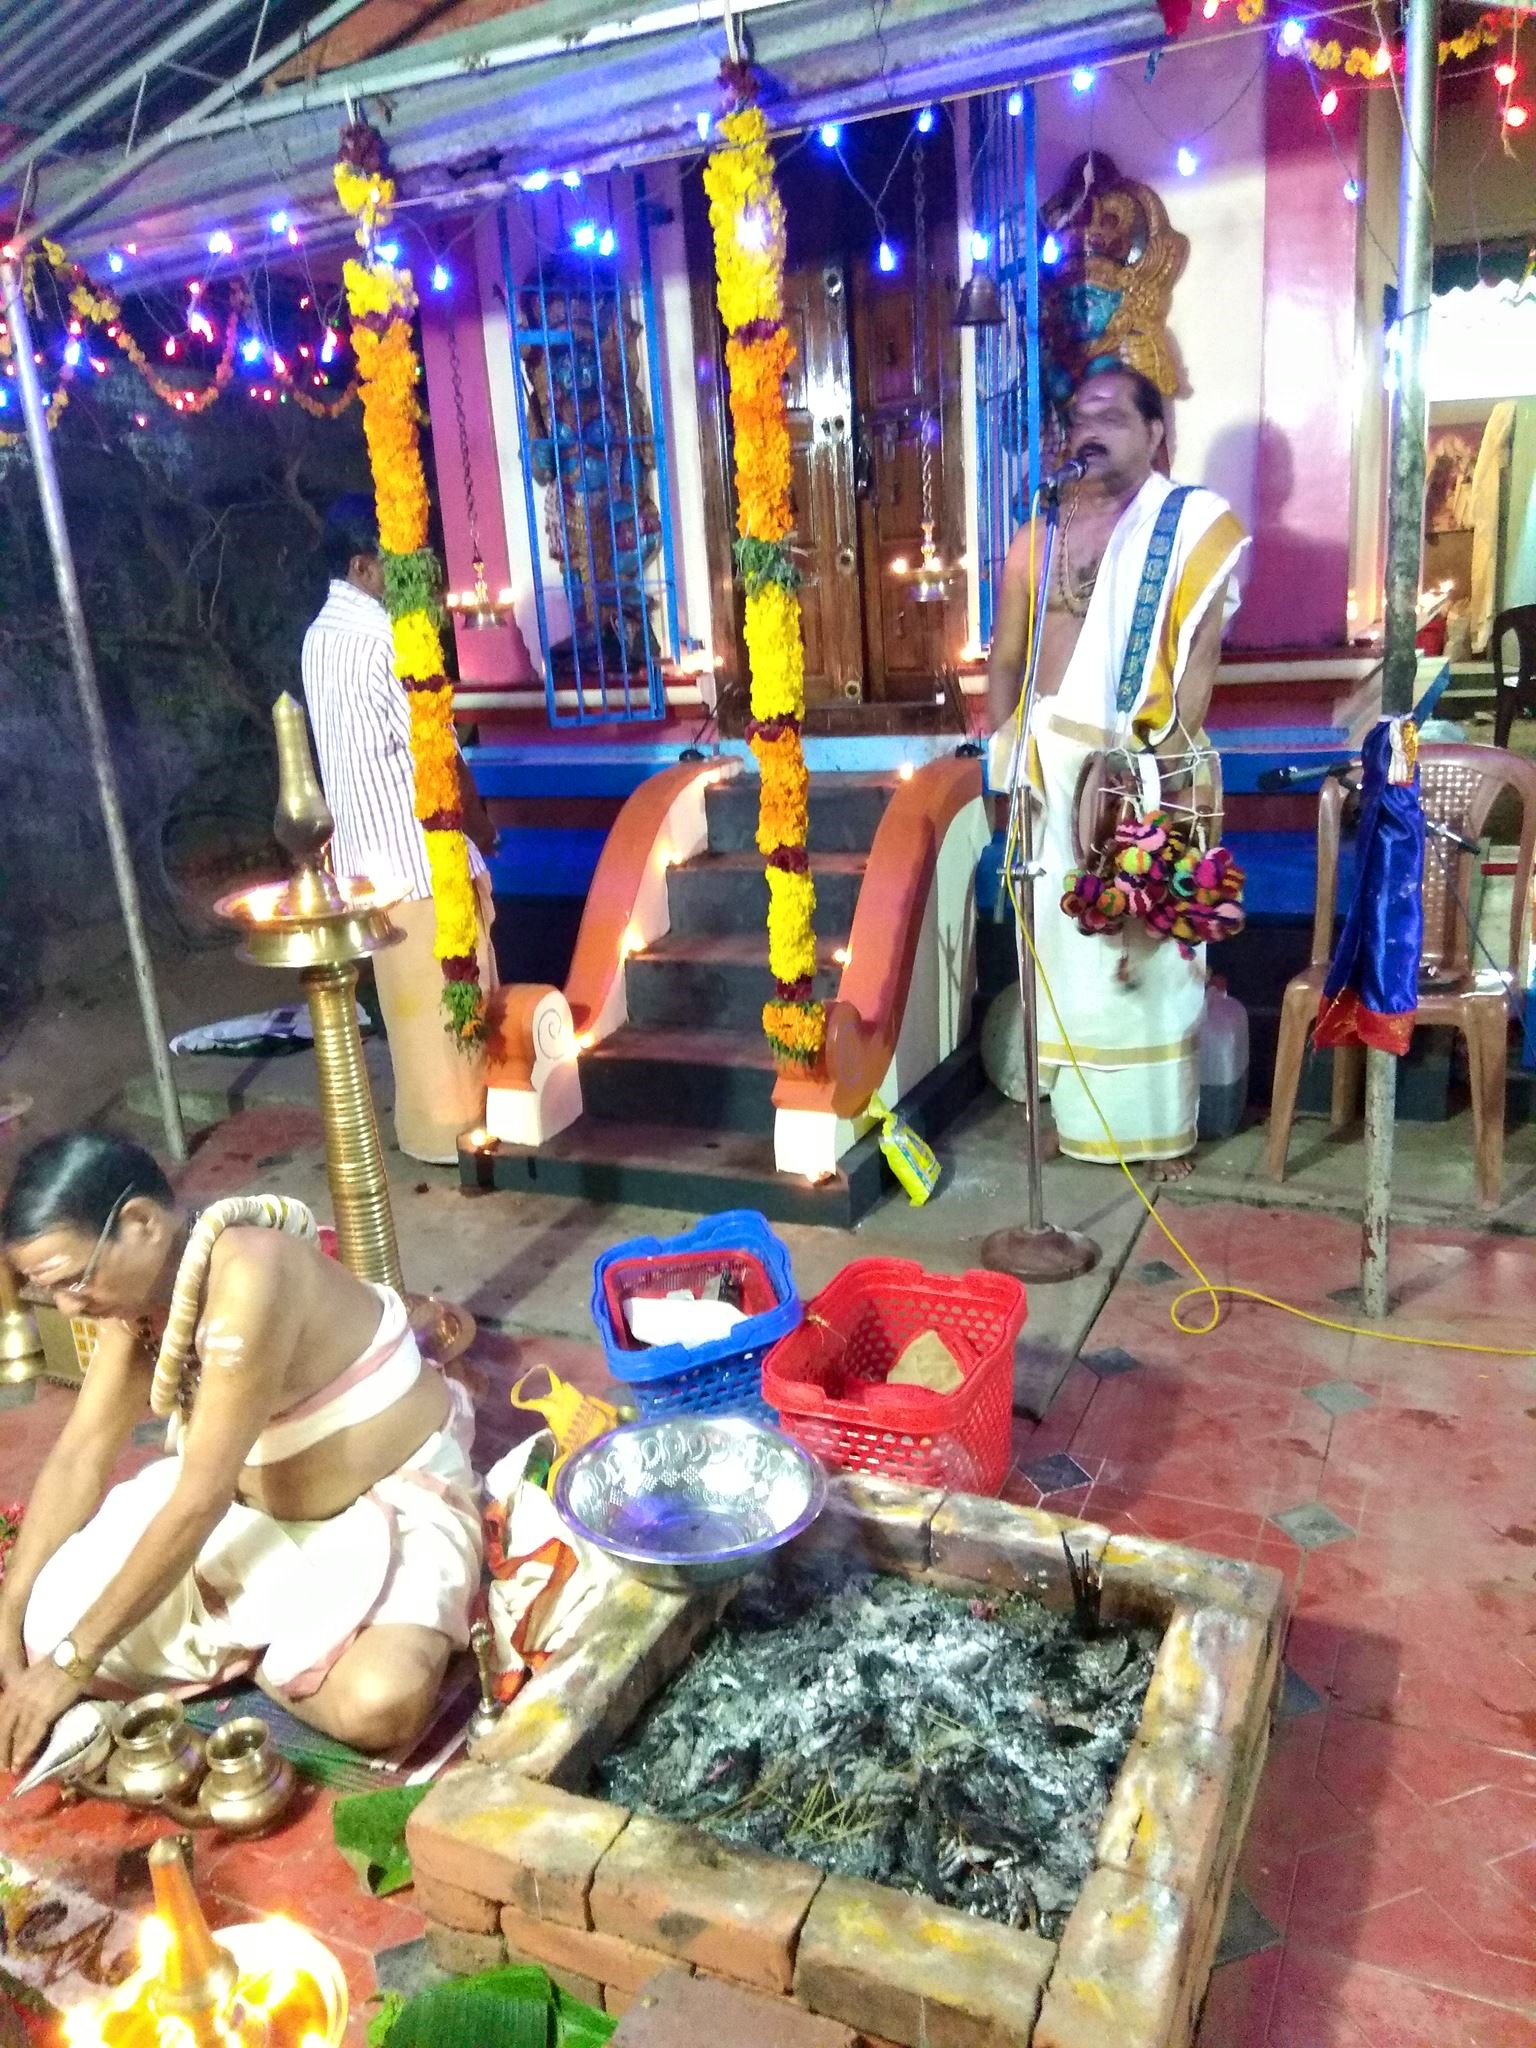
(1517, 693)
(1460, 786)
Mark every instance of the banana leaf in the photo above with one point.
(514, 2007)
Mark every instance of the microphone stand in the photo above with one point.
(1035, 1250)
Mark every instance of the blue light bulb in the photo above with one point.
(442, 277)
(886, 256)
(1188, 163)
(584, 234)
(1082, 79)
(831, 134)
(607, 242)
(1015, 104)
(1292, 33)
(1050, 250)
(925, 121)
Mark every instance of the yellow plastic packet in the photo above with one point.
(573, 1418)
(914, 1162)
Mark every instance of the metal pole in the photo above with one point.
(1037, 1250)
(1405, 540)
(40, 443)
(1021, 808)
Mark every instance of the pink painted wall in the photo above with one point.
(1263, 317)
(494, 654)
(1296, 590)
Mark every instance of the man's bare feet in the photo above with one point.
(1167, 1171)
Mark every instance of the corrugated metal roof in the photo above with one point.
(54, 52)
(613, 106)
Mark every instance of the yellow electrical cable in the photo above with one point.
(1205, 1286)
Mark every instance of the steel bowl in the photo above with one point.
(692, 1502)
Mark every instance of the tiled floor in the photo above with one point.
(1388, 1885)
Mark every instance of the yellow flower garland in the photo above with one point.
(1363, 60)
(747, 218)
(382, 299)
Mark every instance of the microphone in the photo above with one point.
(1072, 471)
(1272, 780)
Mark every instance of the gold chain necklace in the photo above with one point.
(1075, 597)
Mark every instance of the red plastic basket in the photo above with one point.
(827, 1378)
(689, 1271)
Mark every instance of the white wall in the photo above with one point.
(1218, 304)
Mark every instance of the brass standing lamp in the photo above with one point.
(325, 926)
(21, 1348)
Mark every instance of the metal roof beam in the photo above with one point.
(568, 30)
(185, 125)
(120, 85)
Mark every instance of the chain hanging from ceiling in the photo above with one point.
(930, 584)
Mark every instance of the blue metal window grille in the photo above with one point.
(586, 359)
(1005, 212)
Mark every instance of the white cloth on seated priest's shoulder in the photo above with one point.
(287, 1596)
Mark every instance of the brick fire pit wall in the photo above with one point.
(512, 1859)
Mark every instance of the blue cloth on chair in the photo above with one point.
(1372, 989)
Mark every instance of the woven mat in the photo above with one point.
(58, 1948)
(335, 1764)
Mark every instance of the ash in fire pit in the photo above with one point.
(881, 1728)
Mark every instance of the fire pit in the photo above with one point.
(946, 1778)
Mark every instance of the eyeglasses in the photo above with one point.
(81, 1283)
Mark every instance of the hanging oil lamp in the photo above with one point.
(475, 607)
(930, 580)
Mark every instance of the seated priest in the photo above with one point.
(317, 1519)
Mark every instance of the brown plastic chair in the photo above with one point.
(1514, 694)
(1460, 785)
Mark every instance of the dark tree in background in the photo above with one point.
(197, 544)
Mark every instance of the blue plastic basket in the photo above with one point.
(723, 1378)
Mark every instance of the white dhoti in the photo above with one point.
(288, 1597)
(1129, 1003)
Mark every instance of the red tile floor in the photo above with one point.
(1387, 1890)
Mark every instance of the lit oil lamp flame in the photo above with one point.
(268, 1984)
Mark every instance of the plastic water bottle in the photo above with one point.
(1223, 1062)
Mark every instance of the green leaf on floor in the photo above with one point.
(369, 1830)
(577, 2025)
(515, 2007)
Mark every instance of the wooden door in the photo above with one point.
(899, 401)
(821, 427)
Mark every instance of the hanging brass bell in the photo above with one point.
(981, 303)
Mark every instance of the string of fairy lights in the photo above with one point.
(254, 318)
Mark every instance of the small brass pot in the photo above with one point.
(157, 1757)
(249, 1781)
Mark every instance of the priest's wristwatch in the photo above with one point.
(69, 1660)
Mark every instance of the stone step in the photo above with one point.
(665, 1165)
(845, 812)
(728, 892)
(719, 982)
(699, 1173)
(700, 1079)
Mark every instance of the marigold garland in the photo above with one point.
(1364, 60)
(747, 217)
(382, 299)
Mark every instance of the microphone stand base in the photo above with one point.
(1040, 1256)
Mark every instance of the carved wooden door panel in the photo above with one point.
(821, 418)
(909, 644)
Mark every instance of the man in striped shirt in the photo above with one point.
(362, 727)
